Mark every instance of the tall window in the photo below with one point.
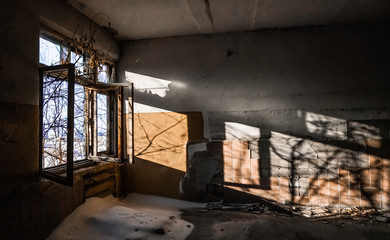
(55, 117)
(102, 122)
(80, 123)
(77, 110)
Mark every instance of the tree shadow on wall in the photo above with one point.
(325, 166)
(159, 132)
(328, 171)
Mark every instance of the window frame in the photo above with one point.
(110, 124)
(68, 179)
(92, 86)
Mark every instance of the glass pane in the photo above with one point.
(130, 131)
(102, 122)
(103, 75)
(49, 52)
(78, 60)
(55, 118)
(79, 140)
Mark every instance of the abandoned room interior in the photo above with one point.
(206, 101)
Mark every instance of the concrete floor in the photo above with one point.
(222, 224)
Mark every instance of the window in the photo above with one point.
(80, 123)
(56, 128)
(102, 122)
(79, 113)
(49, 51)
(105, 73)
(53, 51)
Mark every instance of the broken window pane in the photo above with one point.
(104, 73)
(102, 122)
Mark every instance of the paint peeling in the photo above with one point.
(194, 148)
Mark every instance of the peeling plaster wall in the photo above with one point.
(19, 62)
(322, 85)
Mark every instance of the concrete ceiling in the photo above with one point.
(143, 19)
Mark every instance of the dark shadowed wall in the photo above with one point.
(21, 23)
(31, 207)
(301, 104)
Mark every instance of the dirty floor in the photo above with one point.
(140, 216)
(222, 224)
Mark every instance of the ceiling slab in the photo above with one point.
(287, 13)
(143, 19)
(202, 14)
(232, 15)
(364, 11)
(140, 19)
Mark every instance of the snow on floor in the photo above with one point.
(137, 216)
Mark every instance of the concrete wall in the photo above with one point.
(160, 150)
(33, 210)
(28, 209)
(282, 91)
(19, 61)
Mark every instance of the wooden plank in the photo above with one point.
(75, 193)
(45, 222)
(35, 202)
(118, 187)
(68, 200)
(98, 178)
(4, 216)
(14, 214)
(81, 196)
(25, 212)
(102, 187)
(61, 204)
(53, 204)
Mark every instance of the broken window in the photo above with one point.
(105, 73)
(79, 117)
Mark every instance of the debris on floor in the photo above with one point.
(357, 214)
(360, 215)
(263, 206)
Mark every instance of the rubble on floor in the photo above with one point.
(264, 206)
(363, 216)
(357, 214)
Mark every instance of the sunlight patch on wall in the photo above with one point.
(359, 131)
(240, 131)
(161, 137)
(148, 84)
(326, 126)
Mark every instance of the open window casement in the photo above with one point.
(79, 122)
(56, 133)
